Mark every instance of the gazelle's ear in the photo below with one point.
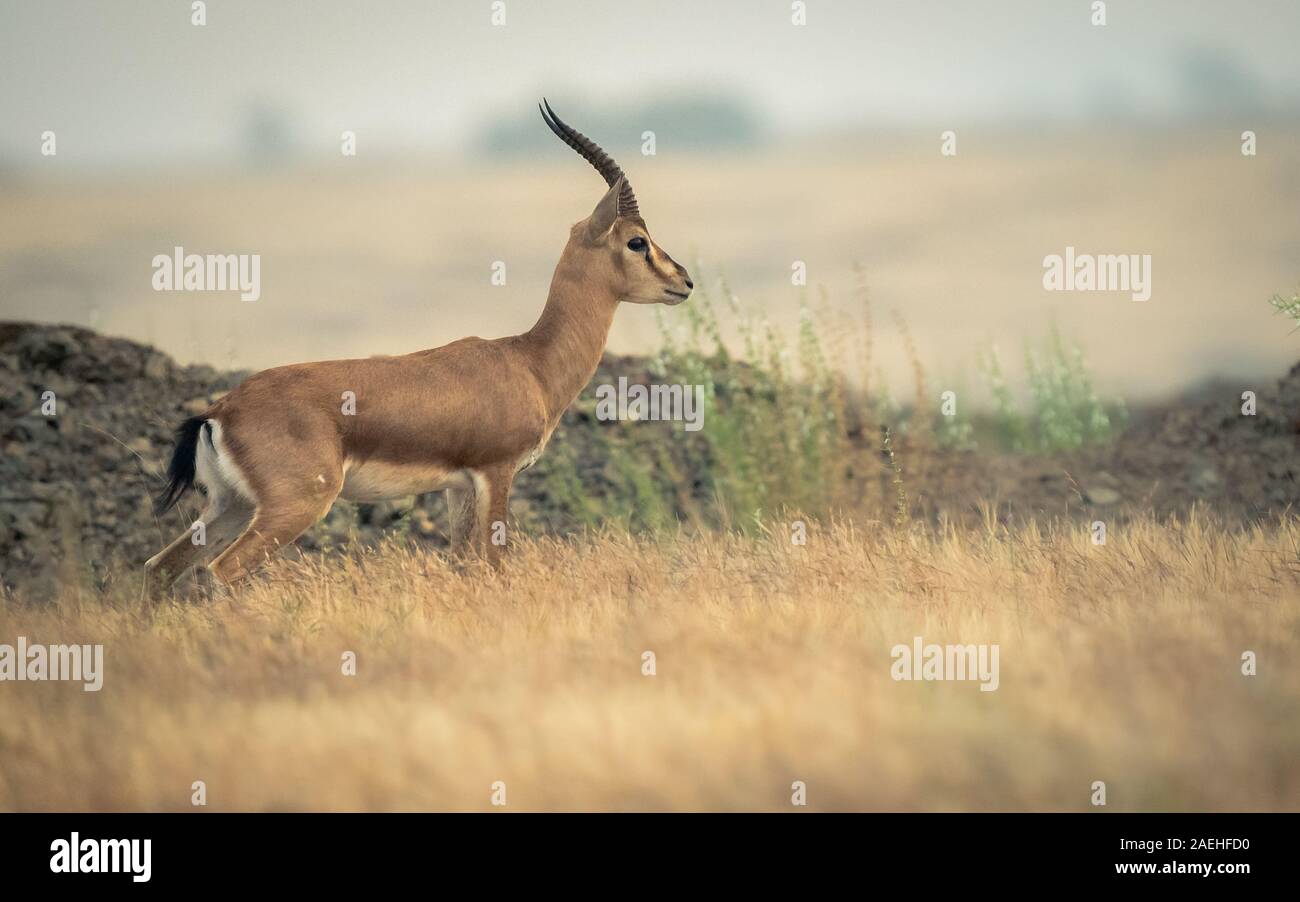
(602, 218)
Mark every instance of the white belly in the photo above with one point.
(376, 480)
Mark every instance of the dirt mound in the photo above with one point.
(86, 424)
(85, 421)
(86, 427)
(1204, 448)
(1198, 450)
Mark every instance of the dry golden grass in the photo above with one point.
(1118, 663)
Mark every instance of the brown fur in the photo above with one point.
(464, 417)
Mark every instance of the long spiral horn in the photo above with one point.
(592, 153)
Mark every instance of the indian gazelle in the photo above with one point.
(275, 452)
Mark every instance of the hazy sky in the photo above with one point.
(134, 81)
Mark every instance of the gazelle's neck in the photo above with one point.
(566, 343)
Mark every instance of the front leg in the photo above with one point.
(495, 509)
(478, 512)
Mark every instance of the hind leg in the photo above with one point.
(227, 527)
(220, 527)
(275, 524)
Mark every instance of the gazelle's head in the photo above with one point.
(613, 244)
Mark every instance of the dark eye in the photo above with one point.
(636, 244)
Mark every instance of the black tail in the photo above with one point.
(180, 473)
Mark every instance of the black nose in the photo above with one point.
(690, 284)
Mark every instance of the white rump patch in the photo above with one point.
(215, 469)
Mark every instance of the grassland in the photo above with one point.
(1119, 662)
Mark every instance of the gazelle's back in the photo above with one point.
(409, 408)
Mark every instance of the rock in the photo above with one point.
(1100, 496)
(62, 386)
(386, 513)
(47, 347)
(1205, 480)
(27, 519)
(37, 428)
(44, 491)
(16, 399)
(422, 522)
(157, 366)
